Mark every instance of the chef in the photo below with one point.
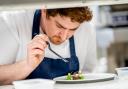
(25, 37)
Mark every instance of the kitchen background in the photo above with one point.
(111, 24)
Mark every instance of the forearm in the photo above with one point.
(20, 70)
(17, 71)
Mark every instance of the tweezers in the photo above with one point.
(65, 60)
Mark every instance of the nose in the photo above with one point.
(64, 34)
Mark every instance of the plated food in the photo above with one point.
(75, 76)
(84, 78)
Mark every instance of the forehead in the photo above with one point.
(65, 21)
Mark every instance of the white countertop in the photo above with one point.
(112, 84)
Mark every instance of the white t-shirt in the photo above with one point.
(16, 32)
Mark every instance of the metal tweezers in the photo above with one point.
(65, 60)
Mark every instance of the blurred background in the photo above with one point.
(111, 24)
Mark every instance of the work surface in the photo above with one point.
(112, 84)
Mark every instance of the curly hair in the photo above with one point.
(78, 14)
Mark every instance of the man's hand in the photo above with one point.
(20, 70)
(36, 50)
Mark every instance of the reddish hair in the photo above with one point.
(78, 14)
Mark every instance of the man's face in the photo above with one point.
(59, 28)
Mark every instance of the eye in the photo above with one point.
(58, 26)
(73, 29)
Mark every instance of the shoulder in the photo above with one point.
(16, 12)
(17, 15)
(17, 20)
(85, 29)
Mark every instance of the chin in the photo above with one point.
(57, 43)
(56, 40)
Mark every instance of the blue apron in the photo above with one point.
(50, 68)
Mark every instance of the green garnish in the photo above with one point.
(77, 76)
(81, 76)
(69, 76)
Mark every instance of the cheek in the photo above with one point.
(51, 29)
(71, 33)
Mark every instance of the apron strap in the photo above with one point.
(72, 46)
(36, 23)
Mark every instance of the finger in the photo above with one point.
(37, 51)
(42, 42)
(42, 36)
(36, 45)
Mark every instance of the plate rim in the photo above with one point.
(112, 76)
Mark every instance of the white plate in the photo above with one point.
(89, 78)
(34, 84)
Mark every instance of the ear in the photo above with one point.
(43, 13)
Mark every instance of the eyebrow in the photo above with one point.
(64, 27)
